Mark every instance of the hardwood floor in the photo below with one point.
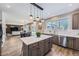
(13, 45)
(60, 51)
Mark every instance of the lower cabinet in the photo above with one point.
(70, 42)
(61, 40)
(37, 49)
(41, 48)
(73, 43)
(46, 47)
(55, 39)
(50, 42)
(25, 50)
(33, 50)
(76, 43)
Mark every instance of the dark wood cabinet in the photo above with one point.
(76, 43)
(61, 40)
(50, 42)
(75, 21)
(55, 39)
(73, 43)
(25, 50)
(70, 42)
(46, 47)
(33, 49)
(41, 48)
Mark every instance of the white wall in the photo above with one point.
(13, 19)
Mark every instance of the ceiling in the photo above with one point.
(50, 9)
(53, 9)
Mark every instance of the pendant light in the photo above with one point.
(42, 20)
(37, 18)
(40, 23)
(34, 21)
(31, 16)
(42, 17)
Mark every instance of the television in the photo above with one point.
(14, 29)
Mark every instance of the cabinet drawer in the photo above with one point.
(33, 45)
(47, 40)
(41, 43)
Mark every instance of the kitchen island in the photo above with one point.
(36, 46)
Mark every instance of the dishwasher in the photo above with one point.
(62, 41)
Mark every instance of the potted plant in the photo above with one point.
(38, 34)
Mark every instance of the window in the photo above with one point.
(61, 24)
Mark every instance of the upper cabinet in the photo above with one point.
(75, 21)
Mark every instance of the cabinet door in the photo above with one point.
(75, 21)
(34, 50)
(76, 43)
(50, 42)
(25, 50)
(55, 40)
(41, 48)
(61, 40)
(70, 42)
(46, 46)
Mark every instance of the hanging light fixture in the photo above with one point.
(42, 20)
(34, 14)
(34, 21)
(31, 16)
(40, 23)
(42, 17)
(37, 18)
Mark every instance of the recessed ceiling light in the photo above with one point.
(69, 4)
(8, 6)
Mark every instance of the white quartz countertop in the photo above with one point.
(69, 35)
(65, 33)
(34, 39)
